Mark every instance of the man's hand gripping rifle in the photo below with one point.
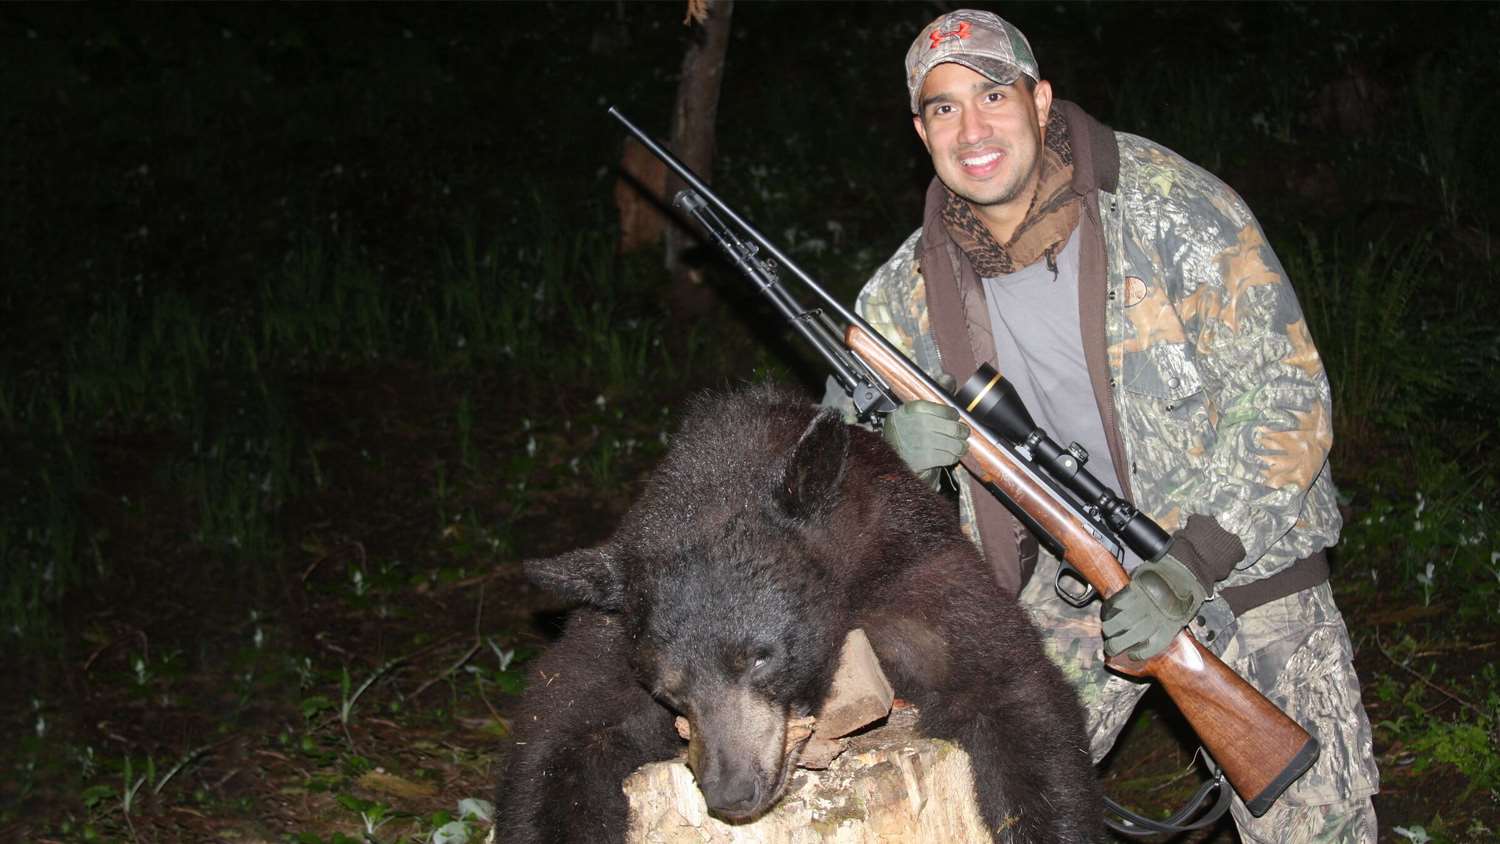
(1260, 750)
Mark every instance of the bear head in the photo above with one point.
(725, 591)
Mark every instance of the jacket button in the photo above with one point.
(1174, 382)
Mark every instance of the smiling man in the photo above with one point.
(1133, 301)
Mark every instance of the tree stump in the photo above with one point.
(889, 786)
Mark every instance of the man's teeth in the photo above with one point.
(980, 161)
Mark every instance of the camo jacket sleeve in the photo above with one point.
(1223, 402)
(894, 302)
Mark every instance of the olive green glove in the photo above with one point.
(1142, 619)
(928, 436)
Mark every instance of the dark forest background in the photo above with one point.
(315, 325)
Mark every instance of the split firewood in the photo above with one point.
(861, 694)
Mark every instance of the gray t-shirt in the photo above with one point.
(1039, 349)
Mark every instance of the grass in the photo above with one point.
(154, 364)
(1386, 367)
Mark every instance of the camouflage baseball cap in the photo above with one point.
(980, 41)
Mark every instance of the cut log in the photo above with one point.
(891, 785)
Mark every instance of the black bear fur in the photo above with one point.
(769, 531)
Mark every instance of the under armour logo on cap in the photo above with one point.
(938, 35)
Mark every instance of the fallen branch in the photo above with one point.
(358, 546)
(1380, 646)
(468, 655)
(137, 633)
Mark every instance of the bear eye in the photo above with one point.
(760, 659)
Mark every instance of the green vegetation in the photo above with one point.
(315, 326)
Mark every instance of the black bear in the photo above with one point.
(770, 530)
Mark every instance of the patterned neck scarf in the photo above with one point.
(1048, 223)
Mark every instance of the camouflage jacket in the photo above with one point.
(1213, 396)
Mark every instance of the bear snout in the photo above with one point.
(737, 753)
(732, 793)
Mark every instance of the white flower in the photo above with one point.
(1426, 579)
(1416, 834)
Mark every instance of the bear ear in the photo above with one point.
(588, 575)
(814, 468)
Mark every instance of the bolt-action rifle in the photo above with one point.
(1259, 749)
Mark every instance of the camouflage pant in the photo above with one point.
(1295, 650)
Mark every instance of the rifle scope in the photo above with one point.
(993, 400)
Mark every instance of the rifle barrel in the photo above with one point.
(833, 304)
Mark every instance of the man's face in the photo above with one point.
(985, 138)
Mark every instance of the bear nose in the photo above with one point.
(735, 794)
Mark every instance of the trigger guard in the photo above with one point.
(1077, 600)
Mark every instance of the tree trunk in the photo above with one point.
(890, 785)
(693, 142)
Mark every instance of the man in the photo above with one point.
(1135, 305)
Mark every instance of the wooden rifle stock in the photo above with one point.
(1259, 748)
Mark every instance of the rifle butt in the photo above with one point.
(1259, 748)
